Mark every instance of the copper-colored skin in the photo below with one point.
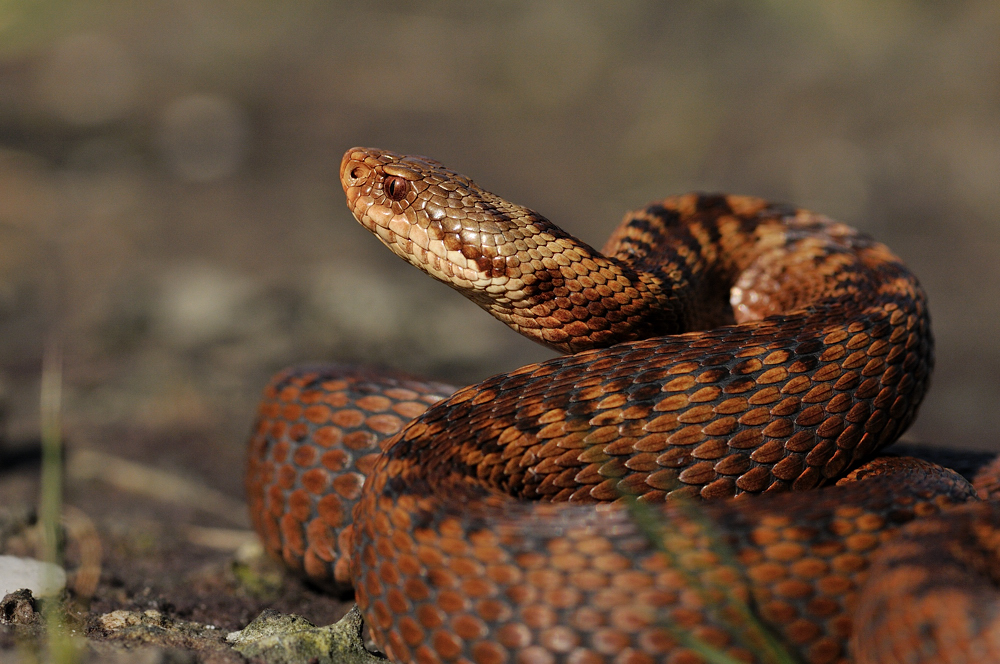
(721, 345)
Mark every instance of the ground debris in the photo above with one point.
(277, 638)
(157, 637)
(18, 608)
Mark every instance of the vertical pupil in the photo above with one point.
(396, 188)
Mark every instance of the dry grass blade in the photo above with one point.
(81, 530)
(687, 545)
(155, 483)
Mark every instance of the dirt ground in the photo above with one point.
(171, 219)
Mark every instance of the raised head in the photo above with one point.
(435, 218)
(506, 258)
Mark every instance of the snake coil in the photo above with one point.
(717, 346)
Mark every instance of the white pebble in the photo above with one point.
(42, 579)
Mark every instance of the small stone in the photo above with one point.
(119, 619)
(42, 579)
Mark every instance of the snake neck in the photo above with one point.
(564, 294)
(511, 261)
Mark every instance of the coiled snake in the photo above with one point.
(719, 346)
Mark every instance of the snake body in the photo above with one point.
(719, 346)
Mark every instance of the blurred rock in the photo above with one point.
(42, 579)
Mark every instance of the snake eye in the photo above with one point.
(395, 188)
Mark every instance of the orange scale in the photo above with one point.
(514, 636)
(448, 645)
(336, 399)
(318, 414)
(430, 616)
(291, 531)
(304, 456)
(384, 424)
(360, 440)
(321, 540)
(410, 631)
(493, 610)
(286, 477)
(539, 616)
(609, 641)
(825, 649)
(275, 501)
(291, 412)
(373, 403)
(299, 505)
(331, 510)
(271, 534)
(327, 436)
(469, 627)
(315, 567)
(348, 485)
(315, 480)
(335, 460)
(348, 418)
(487, 652)
(344, 542)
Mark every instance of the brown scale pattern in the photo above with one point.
(503, 580)
(938, 579)
(319, 430)
(786, 349)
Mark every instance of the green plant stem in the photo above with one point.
(52, 461)
(60, 646)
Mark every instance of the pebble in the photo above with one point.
(42, 579)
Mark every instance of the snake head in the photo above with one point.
(439, 221)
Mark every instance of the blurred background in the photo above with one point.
(170, 209)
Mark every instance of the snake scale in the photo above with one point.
(717, 347)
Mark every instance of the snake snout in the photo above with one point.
(354, 172)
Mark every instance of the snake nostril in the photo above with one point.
(358, 173)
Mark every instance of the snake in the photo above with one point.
(755, 355)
